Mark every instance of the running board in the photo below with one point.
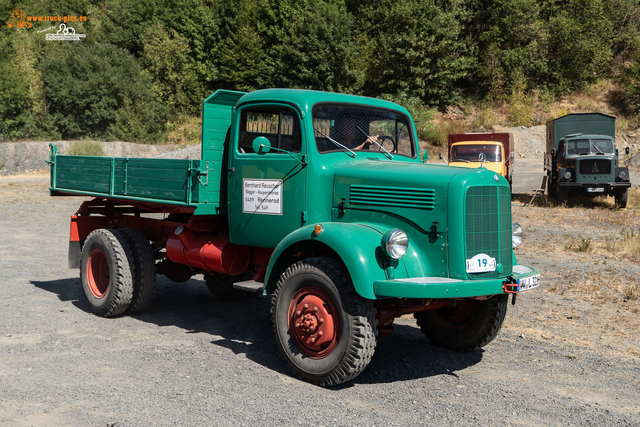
(249, 286)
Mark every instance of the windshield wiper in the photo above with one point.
(461, 159)
(375, 142)
(353, 154)
(594, 146)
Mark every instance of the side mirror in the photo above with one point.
(553, 151)
(441, 156)
(261, 145)
(626, 150)
(513, 155)
(425, 156)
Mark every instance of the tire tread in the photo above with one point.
(363, 322)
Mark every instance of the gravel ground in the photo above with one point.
(564, 357)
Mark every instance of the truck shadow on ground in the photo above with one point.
(244, 327)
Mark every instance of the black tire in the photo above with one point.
(105, 272)
(551, 187)
(346, 348)
(470, 325)
(143, 271)
(221, 285)
(562, 196)
(622, 198)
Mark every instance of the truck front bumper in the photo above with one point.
(605, 185)
(440, 287)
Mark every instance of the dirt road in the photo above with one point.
(569, 353)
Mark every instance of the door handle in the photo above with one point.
(233, 171)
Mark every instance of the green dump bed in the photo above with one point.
(166, 181)
(198, 182)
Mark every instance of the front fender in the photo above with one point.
(357, 245)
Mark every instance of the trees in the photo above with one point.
(149, 61)
(89, 85)
(419, 50)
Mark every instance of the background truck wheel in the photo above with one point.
(562, 196)
(621, 198)
(551, 187)
(470, 325)
(143, 271)
(221, 285)
(105, 272)
(325, 331)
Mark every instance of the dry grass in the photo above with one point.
(185, 131)
(533, 108)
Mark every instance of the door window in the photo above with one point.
(280, 126)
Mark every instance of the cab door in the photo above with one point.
(267, 191)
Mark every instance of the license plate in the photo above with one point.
(481, 263)
(529, 283)
(595, 190)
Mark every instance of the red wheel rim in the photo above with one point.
(98, 275)
(313, 322)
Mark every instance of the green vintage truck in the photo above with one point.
(581, 158)
(319, 199)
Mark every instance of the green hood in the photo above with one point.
(416, 192)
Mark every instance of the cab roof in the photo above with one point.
(306, 99)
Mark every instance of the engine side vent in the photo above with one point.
(392, 196)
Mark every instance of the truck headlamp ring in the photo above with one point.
(567, 175)
(622, 174)
(516, 235)
(395, 243)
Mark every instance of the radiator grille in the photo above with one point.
(595, 166)
(488, 227)
(392, 196)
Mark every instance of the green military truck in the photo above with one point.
(319, 199)
(581, 158)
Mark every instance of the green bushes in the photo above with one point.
(92, 88)
(85, 148)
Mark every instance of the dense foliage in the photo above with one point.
(146, 65)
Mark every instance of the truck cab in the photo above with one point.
(493, 151)
(318, 199)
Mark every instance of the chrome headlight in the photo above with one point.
(395, 243)
(622, 174)
(567, 175)
(516, 235)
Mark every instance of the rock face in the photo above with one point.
(529, 141)
(31, 157)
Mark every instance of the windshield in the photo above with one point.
(471, 153)
(585, 146)
(341, 127)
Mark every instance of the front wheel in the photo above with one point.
(325, 331)
(562, 195)
(621, 198)
(466, 326)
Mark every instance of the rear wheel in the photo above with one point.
(469, 325)
(325, 331)
(144, 269)
(105, 272)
